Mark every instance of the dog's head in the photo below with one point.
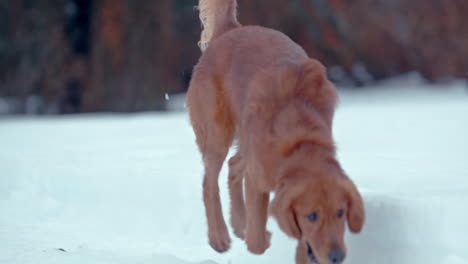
(315, 208)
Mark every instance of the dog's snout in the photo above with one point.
(336, 256)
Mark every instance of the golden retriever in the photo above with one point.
(255, 88)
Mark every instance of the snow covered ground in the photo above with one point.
(127, 188)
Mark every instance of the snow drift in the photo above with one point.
(127, 188)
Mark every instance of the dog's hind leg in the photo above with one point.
(217, 230)
(236, 170)
(214, 129)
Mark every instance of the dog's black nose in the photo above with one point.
(336, 256)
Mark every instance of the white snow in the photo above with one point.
(127, 188)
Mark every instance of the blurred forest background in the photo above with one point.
(73, 56)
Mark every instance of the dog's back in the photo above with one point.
(240, 54)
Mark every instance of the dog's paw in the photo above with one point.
(257, 245)
(220, 241)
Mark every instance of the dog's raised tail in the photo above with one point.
(217, 17)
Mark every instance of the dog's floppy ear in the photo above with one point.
(281, 206)
(356, 212)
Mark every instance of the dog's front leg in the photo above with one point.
(256, 202)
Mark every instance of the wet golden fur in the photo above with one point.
(256, 87)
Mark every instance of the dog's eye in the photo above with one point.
(313, 217)
(340, 213)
